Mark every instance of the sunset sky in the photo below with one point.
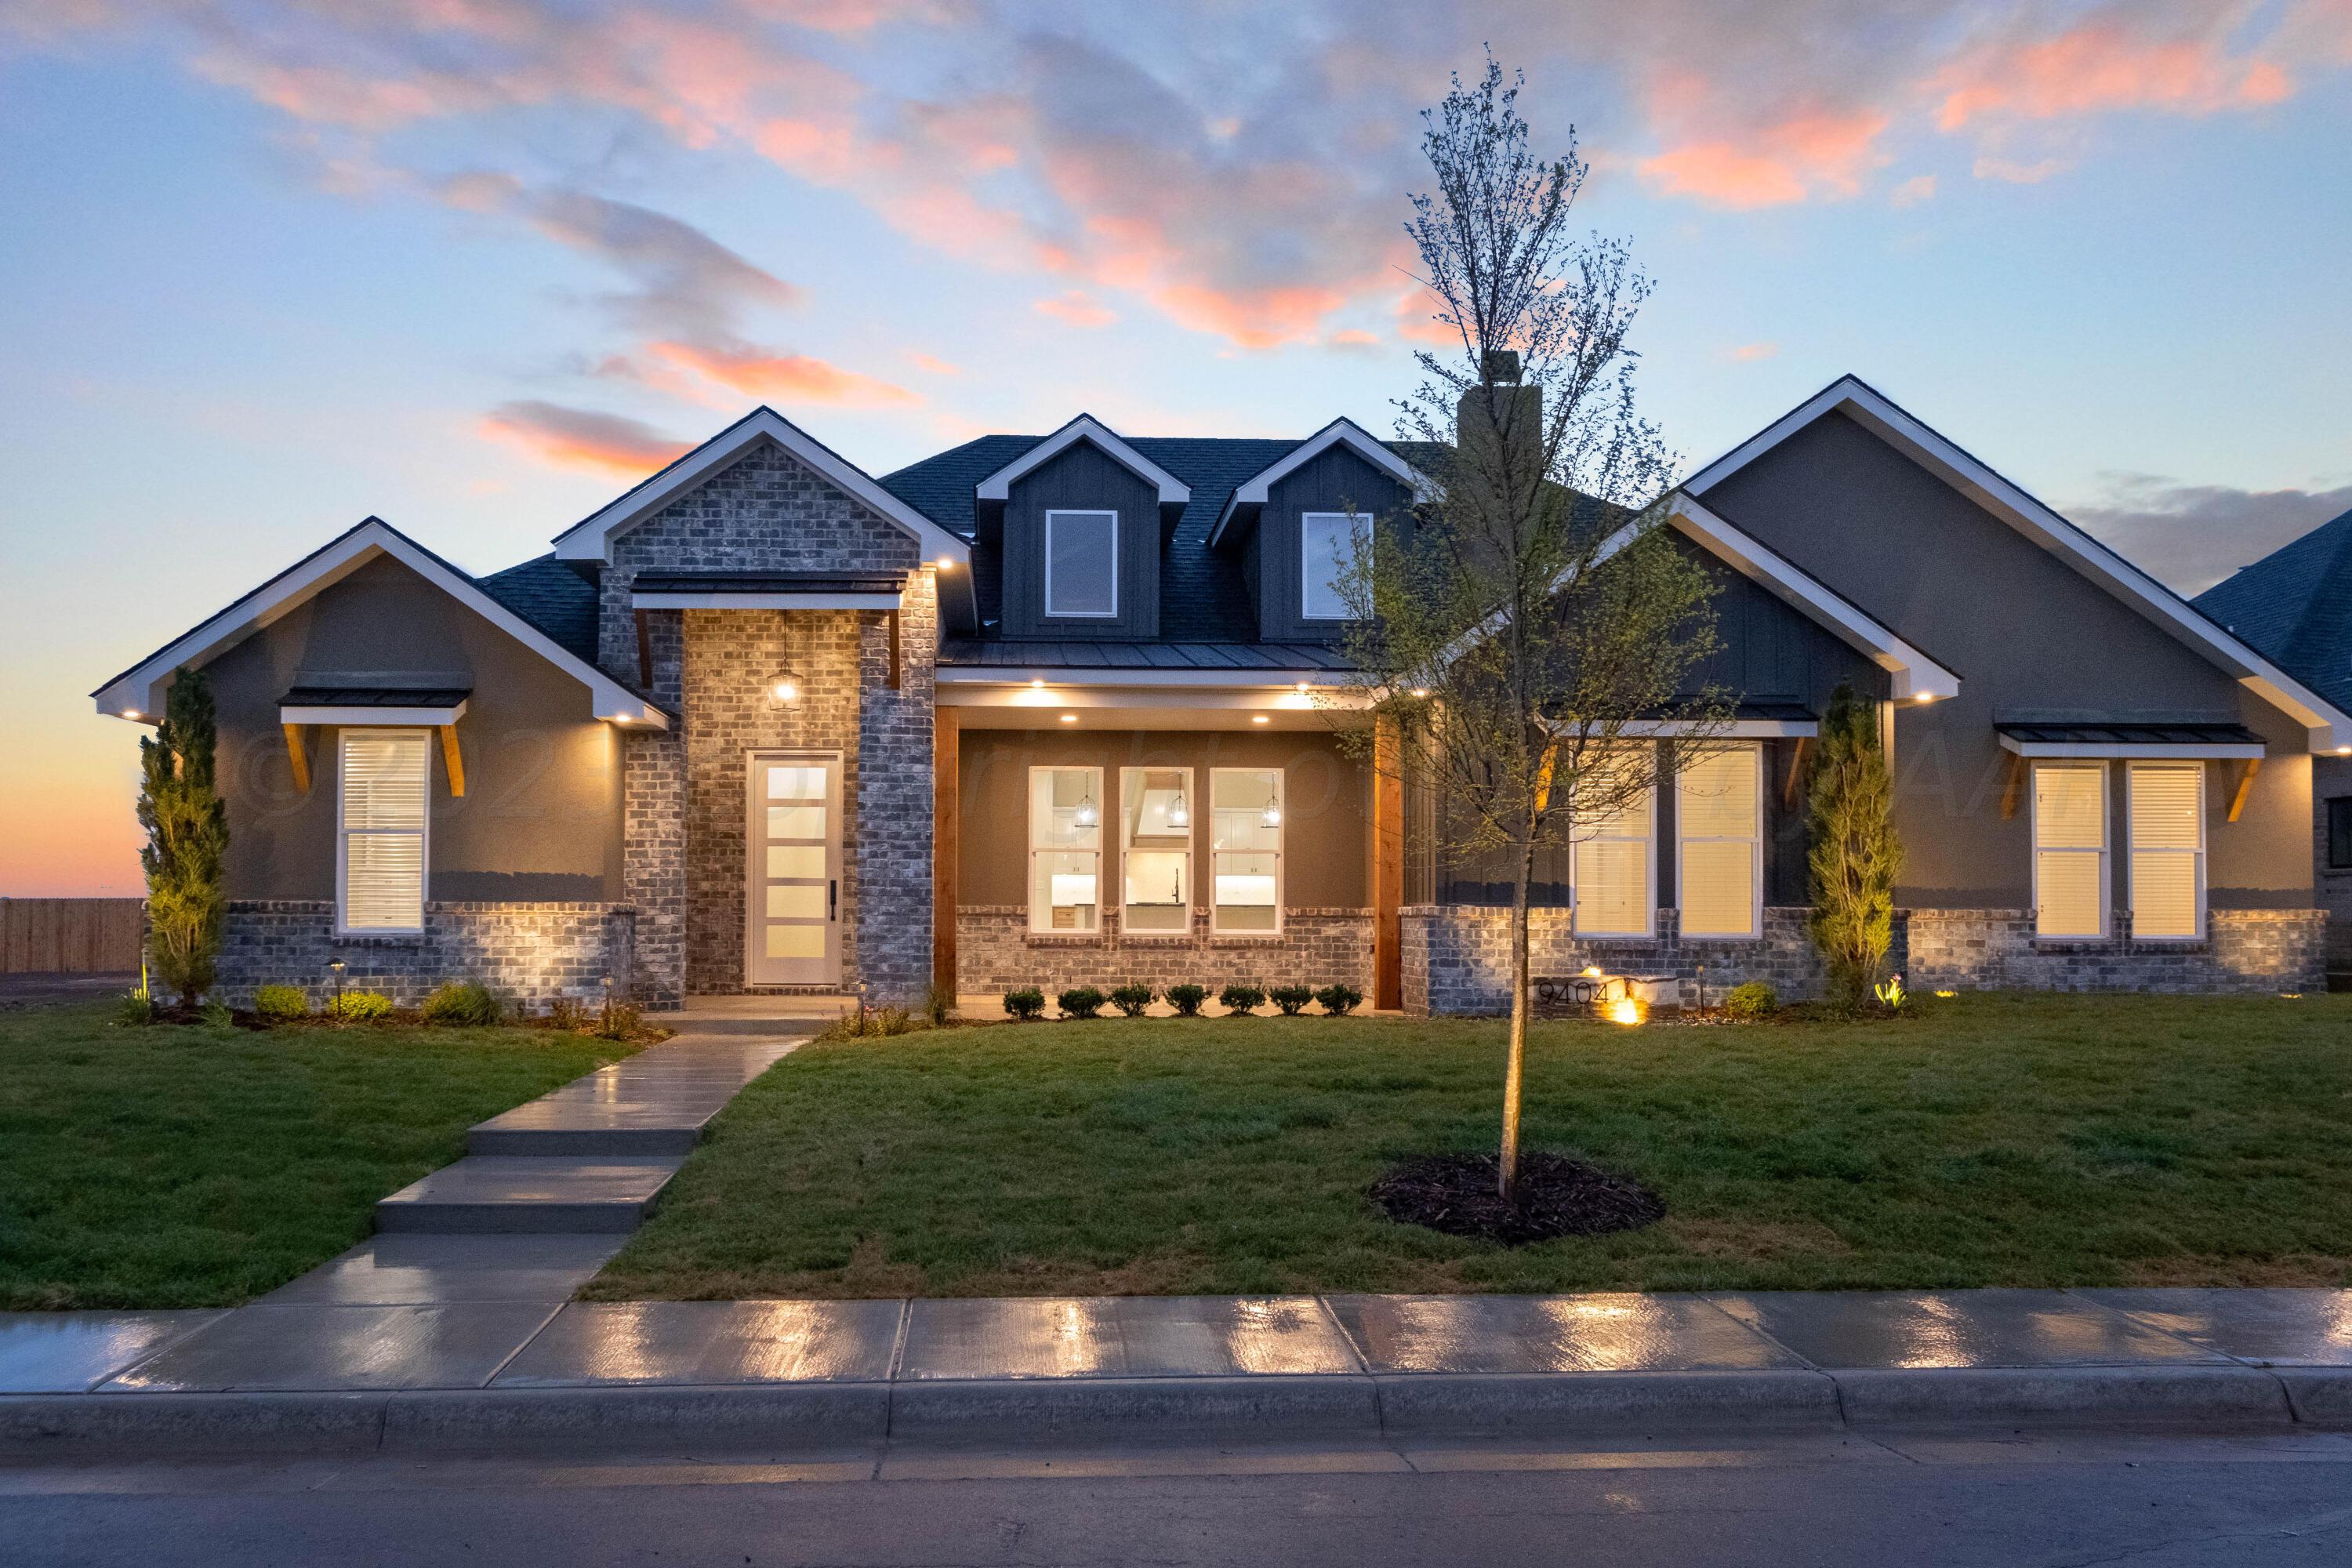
(476, 266)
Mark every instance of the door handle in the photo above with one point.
(833, 900)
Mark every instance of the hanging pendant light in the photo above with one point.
(785, 686)
(1179, 813)
(1272, 816)
(1087, 815)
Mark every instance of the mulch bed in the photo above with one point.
(1557, 1195)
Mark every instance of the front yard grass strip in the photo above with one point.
(176, 1166)
(1989, 1140)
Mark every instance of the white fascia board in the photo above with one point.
(998, 486)
(1346, 432)
(2197, 751)
(1058, 678)
(2328, 725)
(1912, 676)
(138, 689)
(591, 538)
(764, 600)
(398, 718)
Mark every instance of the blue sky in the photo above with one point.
(473, 265)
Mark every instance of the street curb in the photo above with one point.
(2073, 1396)
(783, 1416)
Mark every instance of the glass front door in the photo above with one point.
(793, 930)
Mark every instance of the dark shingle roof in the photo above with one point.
(1203, 596)
(376, 696)
(552, 595)
(2294, 605)
(1062, 655)
(2190, 733)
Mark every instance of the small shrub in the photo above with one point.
(281, 1004)
(215, 1015)
(357, 1006)
(1026, 1004)
(1751, 1001)
(1290, 998)
(1132, 999)
(878, 1022)
(568, 1013)
(136, 1009)
(1891, 995)
(1339, 999)
(1186, 999)
(938, 1004)
(620, 1020)
(462, 1003)
(1240, 999)
(1080, 1002)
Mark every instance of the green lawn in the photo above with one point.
(177, 1167)
(1988, 1140)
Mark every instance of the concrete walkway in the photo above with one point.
(500, 1368)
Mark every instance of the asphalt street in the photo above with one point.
(1970, 1500)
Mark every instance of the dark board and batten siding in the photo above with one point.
(1335, 480)
(1082, 478)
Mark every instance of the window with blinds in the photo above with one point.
(1613, 877)
(2168, 850)
(1718, 808)
(386, 781)
(2070, 850)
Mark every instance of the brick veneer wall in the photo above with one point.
(683, 859)
(1457, 957)
(529, 953)
(2245, 951)
(995, 951)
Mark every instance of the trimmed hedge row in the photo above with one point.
(1028, 1003)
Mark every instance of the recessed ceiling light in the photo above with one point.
(1069, 718)
(1258, 718)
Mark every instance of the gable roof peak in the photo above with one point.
(998, 486)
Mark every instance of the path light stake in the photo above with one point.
(336, 966)
(605, 1021)
(1702, 988)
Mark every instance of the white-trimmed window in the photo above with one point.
(1155, 815)
(1326, 542)
(384, 780)
(1082, 563)
(1064, 849)
(1614, 887)
(2070, 850)
(1718, 815)
(2167, 804)
(1245, 850)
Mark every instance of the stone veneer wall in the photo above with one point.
(683, 850)
(1457, 958)
(2245, 951)
(995, 951)
(528, 953)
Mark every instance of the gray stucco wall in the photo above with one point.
(2029, 639)
(1082, 478)
(541, 818)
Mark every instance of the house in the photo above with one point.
(2295, 605)
(766, 722)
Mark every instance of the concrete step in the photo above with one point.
(533, 1193)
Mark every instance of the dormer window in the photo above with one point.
(1326, 540)
(1082, 563)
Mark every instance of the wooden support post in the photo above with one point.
(1388, 865)
(1796, 774)
(298, 757)
(2245, 786)
(893, 649)
(645, 652)
(452, 760)
(2015, 788)
(946, 850)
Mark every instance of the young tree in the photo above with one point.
(187, 835)
(1529, 630)
(1855, 856)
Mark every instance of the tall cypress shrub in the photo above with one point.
(187, 838)
(1856, 855)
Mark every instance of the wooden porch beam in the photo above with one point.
(1796, 772)
(451, 759)
(296, 755)
(645, 652)
(894, 649)
(1388, 864)
(2014, 788)
(946, 850)
(2245, 786)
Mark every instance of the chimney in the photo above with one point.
(1500, 415)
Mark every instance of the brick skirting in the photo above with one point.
(2243, 950)
(996, 952)
(1457, 957)
(529, 953)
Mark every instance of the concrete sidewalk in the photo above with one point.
(498, 1369)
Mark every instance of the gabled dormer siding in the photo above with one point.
(1334, 481)
(1082, 478)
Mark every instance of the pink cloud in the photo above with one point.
(931, 364)
(579, 438)
(1913, 190)
(1075, 307)
(1809, 151)
(2016, 173)
(780, 377)
(2102, 67)
(1748, 353)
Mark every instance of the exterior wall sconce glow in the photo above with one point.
(1420, 691)
(786, 687)
(943, 565)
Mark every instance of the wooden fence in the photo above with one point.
(70, 936)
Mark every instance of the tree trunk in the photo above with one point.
(1515, 1071)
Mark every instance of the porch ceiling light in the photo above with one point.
(1069, 718)
(1257, 718)
(785, 686)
